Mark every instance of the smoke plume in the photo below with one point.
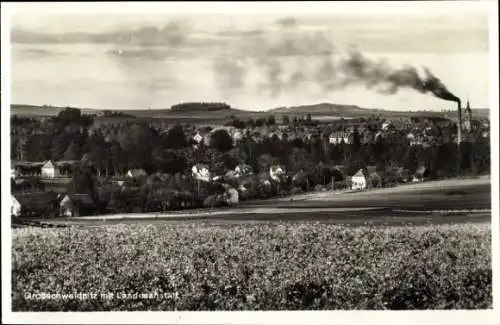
(359, 69)
(279, 59)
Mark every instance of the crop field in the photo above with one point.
(278, 266)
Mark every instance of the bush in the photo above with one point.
(296, 190)
(198, 266)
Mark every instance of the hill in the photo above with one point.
(43, 111)
(324, 109)
(323, 112)
(337, 110)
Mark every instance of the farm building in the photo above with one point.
(49, 170)
(38, 204)
(75, 205)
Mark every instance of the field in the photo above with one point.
(264, 266)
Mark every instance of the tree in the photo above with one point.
(172, 162)
(73, 152)
(260, 122)
(265, 161)
(250, 122)
(271, 120)
(84, 182)
(221, 140)
(175, 138)
(68, 115)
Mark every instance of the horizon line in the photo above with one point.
(240, 109)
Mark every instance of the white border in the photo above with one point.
(260, 8)
(324, 317)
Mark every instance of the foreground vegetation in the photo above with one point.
(306, 266)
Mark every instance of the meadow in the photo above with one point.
(273, 266)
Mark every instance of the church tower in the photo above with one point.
(468, 117)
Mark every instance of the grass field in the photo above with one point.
(292, 266)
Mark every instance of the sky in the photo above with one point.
(251, 61)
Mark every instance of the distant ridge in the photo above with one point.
(324, 108)
(321, 110)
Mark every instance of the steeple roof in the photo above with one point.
(467, 108)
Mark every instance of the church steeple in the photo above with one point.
(468, 116)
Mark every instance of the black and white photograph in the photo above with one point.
(296, 158)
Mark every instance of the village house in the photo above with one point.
(201, 172)
(387, 125)
(49, 170)
(236, 135)
(75, 205)
(366, 178)
(277, 171)
(243, 169)
(359, 181)
(415, 137)
(339, 137)
(134, 173)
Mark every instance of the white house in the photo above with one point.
(136, 173)
(339, 137)
(15, 206)
(276, 171)
(387, 125)
(243, 169)
(49, 170)
(13, 173)
(359, 181)
(201, 172)
(237, 136)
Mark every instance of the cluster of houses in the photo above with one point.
(53, 203)
(416, 132)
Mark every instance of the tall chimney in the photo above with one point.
(459, 133)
